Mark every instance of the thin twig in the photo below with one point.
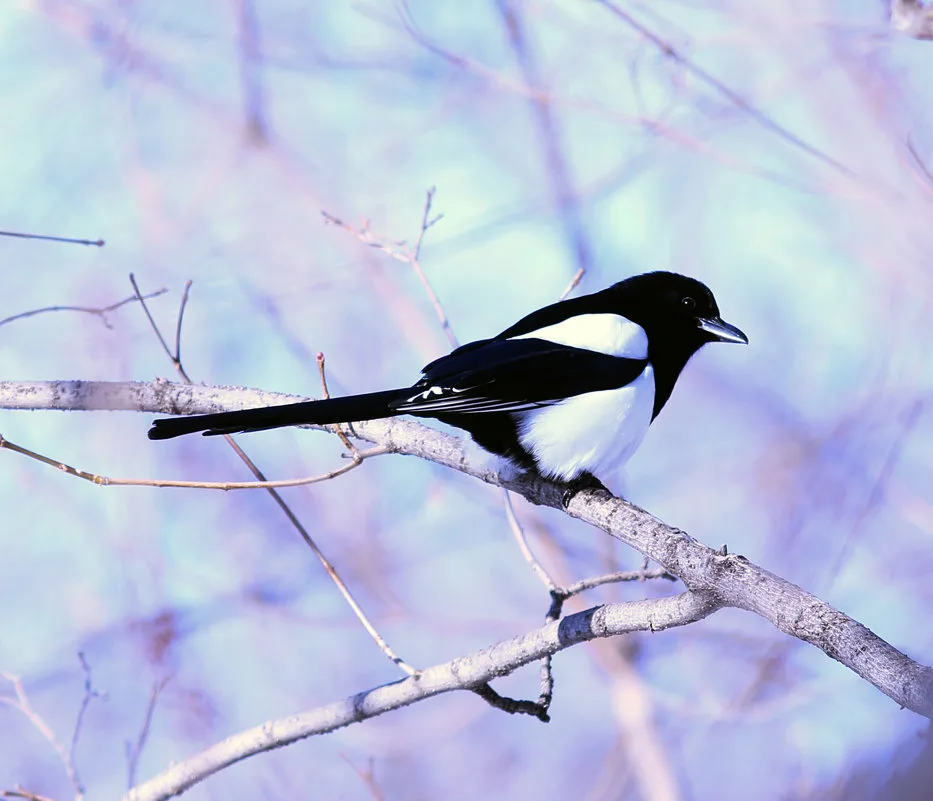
(89, 693)
(368, 777)
(99, 312)
(574, 282)
(328, 567)
(615, 578)
(415, 263)
(540, 707)
(97, 243)
(401, 252)
(426, 222)
(338, 430)
(560, 595)
(108, 481)
(519, 533)
(152, 322)
(186, 293)
(356, 459)
(21, 702)
(19, 792)
(134, 750)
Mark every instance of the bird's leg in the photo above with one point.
(584, 481)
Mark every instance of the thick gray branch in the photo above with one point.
(458, 674)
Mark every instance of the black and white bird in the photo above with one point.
(568, 391)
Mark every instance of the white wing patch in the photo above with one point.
(439, 399)
(596, 432)
(426, 395)
(612, 334)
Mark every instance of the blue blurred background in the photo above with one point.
(202, 141)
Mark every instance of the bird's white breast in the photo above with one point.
(596, 433)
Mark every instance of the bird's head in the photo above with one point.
(674, 309)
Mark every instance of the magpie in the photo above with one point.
(568, 391)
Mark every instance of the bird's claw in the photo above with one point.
(585, 481)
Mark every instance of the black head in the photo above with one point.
(679, 315)
(674, 310)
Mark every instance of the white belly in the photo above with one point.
(596, 433)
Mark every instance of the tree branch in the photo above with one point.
(462, 673)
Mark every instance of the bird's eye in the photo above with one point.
(688, 303)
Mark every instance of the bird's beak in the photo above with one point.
(721, 331)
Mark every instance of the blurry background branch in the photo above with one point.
(912, 18)
(734, 580)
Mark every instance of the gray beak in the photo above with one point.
(721, 331)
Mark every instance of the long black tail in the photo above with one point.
(353, 408)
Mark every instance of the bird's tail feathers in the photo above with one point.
(372, 406)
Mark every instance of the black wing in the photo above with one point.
(510, 375)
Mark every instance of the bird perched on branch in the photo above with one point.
(568, 391)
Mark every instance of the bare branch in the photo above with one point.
(97, 243)
(135, 750)
(401, 252)
(99, 312)
(89, 694)
(519, 533)
(338, 429)
(152, 322)
(368, 777)
(19, 792)
(21, 702)
(471, 671)
(426, 222)
(107, 481)
(186, 293)
(615, 578)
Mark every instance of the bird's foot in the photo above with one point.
(584, 481)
